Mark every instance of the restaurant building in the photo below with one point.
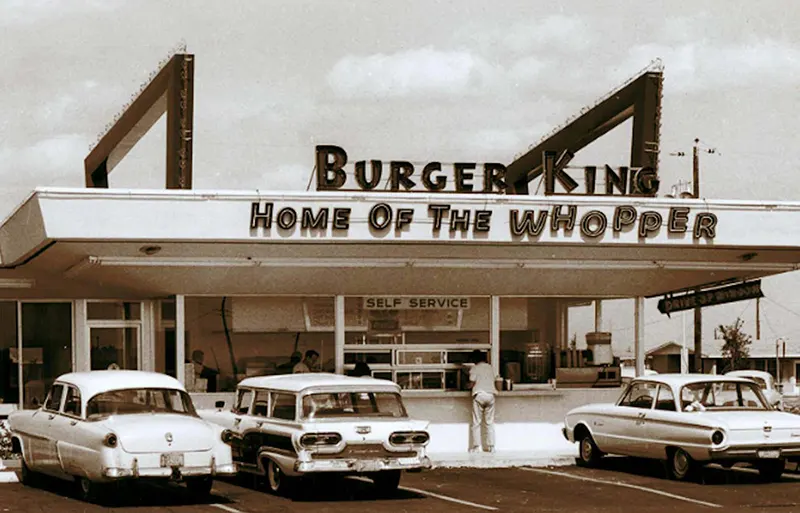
(410, 280)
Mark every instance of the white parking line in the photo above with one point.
(435, 495)
(624, 485)
(226, 508)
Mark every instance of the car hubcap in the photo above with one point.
(681, 463)
(586, 449)
(274, 476)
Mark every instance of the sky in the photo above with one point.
(462, 80)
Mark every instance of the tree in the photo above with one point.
(735, 349)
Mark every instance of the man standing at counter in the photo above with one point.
(481, 381)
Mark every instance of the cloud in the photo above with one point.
(425, 72)
(699, 67)
(47, 160)
(28, 12)
(552, 33)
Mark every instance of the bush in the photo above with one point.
(5, 442)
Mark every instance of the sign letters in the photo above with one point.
(404, 177)
(446, 219)
(738, 292)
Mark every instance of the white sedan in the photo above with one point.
(296, 425)
(105, 426)
(688, 420)
(765, 381)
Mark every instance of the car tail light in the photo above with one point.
(717, 437)
(317, 439)
(409, 437)
(110, 440)
(227, 436)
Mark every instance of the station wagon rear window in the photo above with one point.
(137, 401)
(353, 404)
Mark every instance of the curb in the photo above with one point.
(479, 462)
(8, 476)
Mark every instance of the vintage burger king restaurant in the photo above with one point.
(410, 277)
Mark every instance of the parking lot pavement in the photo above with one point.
(619, 484)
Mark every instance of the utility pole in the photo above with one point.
(758, 318)
(698, 316)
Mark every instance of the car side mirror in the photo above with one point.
(219, 404)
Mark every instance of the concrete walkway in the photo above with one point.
(502, 459)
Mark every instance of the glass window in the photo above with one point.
(113, 311)
(72, 404)
(284, 406)
(355, 404)
(229, 339)
(9, 384)
(665, 399)
(261, 404)
(53, 401)
(721, 395)
(243, 400)
(527, 338)
(114, 348)
(639, 395)
(137, 401)
(46, 347)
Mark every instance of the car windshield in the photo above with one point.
(139, 400)
(353, 404)
(721, 395)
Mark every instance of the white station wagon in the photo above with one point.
(104, 426)
(688, 420)
(322, 424)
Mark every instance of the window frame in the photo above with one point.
(49, 396)
(629, 392)
(237, 403)
(273, 403)
(79, 414)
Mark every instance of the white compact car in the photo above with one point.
(688, 420)
(766, 382)
(322, 424)
(105, 426)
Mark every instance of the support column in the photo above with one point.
(558, 343)
(638, 334)
(147, 354)
(82, 347)
(180, 338)
(338, 334)
(598, 315)
(494, 334)
(20, 358)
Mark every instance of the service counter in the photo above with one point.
(538, 405)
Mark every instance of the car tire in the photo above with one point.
(27, 476)
(277, 481)
(87, 490)
(588, 453)
(681, 466)
(200, 487)
(771, 470)
(387, 481)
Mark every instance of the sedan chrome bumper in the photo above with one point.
(756, 452)
(137, 472)
(362, 465)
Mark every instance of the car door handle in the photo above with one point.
(73, 422)
(237, 420)
(51, 417)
